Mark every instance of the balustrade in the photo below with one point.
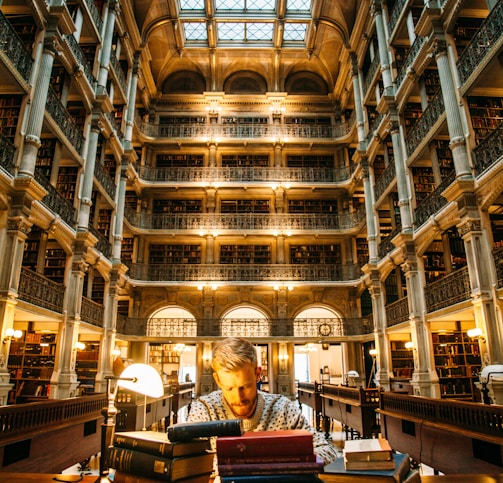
(94, 14)
(385, 180)
(408, 62)
(103, 244)
(41, 291)
(118, 73)
(398, 10)
(369, 77)
(448, 291)
(92, 312)
(484, 42)
(105, 180)
(13, 49)
(489, 151)
(80, 58)
(397, 312)
(7, 151)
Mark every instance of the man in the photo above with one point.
(236, 373)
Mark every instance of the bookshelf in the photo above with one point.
(379, 165)
(179, 160)
(86, 365)
(319, 254)
(362, 250)
(31, 362)
(401, 359)
(244, 206)
(424, 182)
(32, 249)
(10, 107)
(310, 161)
(312, 121)
(411, 114)
(245, 160)
(98, 288)
(177, 120)
(78, 113)
(263, 360)
(457, 362)
(444, 155)
(164, 358)
(313, 206)
(67, 182)
(177, 206)
(431, 82)
(244, 120)
(174, 254)
(45, 157)
(242, 254)
(58, 75)
(55, 262)
(127, 250)
(105, 221)
(26, 28)
(464, 31)
(486, 114)
(433, 260)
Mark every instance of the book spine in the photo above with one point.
(205, 429)
(238, 447)
(138, 463)
(151, 447)
(269, 468)
(233, 460)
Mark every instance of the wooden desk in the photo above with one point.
(45, 478)
(310, 395)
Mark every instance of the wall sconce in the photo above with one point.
(213, 286)
(283, 286)
(11, 334)
(140, 378)
(116, 352)
(409, 345)
(373, 352)
(79, 346)
(476, 334)
(214, 108)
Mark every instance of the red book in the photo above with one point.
(287, 458)
(272, 468)
(266, 444)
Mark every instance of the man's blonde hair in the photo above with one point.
(233, 353)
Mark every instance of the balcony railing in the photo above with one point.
(103, 244)
(246, 174)
(449, 290)
(421, 130)
(244, 222)
(118, 73)
(56, 202)
(395, 14)
(386, 178)
(434, 202)
(105, 180)
(95, 14)
(267, 273)
(64, 120)
(369, 77)
(484, 42)
(397, 312)
(408, 62)
(80, 58)
(92, 312)
(7, 151)
(41, 291)
(386, 245)
(498, 260)
(489, 151)
(13, 49)
(256, 328)
(263, 132)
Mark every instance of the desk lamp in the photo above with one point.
(140, 378)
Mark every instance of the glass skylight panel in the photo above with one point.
(195, 31)
(230, 4)
(231, 31)
(244, 5)
(260, 4)
(295, 32)
(259, 31)
(298, 5)
(191, 4)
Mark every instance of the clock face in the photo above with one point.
(325, 329)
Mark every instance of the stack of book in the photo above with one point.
(148, 456)
(275, 456)
(368, 454)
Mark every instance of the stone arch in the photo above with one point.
(245, 321)
(318, 321)
(245, 82)
(305, 83)
(172, 321)
(184, 82)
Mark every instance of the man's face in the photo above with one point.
(239, 389)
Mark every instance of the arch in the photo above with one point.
(184, 81)
(172, 321)
(245, 82)
(245, 322)
(305, 83)
(318, 322)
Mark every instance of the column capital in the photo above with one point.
(438, 47)
(19, 224)
(469, 225)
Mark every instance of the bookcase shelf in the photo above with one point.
(31, 362)
(86, 365)
(310, 161)
(245, 160)
(313, 206)
(315, 254)
(174, 253)
(55, 262)
(457, 362)
(424, 182)
(177, 206)
(241, 254)
(45, 157)
(402, 359)
(10, 107)
(362, 250)
(486, 114)
(179, 160)
(244, 206)
(67, 182)
(127, 250)
(165, 359)
(105, 221)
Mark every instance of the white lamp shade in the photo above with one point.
(144, 380)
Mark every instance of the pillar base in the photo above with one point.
(425, 384)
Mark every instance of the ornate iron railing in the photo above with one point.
(395, 14)
(242, 131)
(13, 49)
(103, 244)
(213, 273)
(369, 77)
(64, 120)
(498, 260)
(434, 202)
(80, 58)
(374, 125)
(56, 202)
(105, 180)
(95, 14)
(41, 291)
(449, 290)
(386, 245)
(218, 174)
(484, 419)
(92, 312)
(422, 128)
(397, 312)
(276, 222)
(485, 41)
(408, 62)
(489, 151)
(7, 151)
(387, 176)
(119, 74)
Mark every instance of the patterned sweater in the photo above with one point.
(273, 412)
